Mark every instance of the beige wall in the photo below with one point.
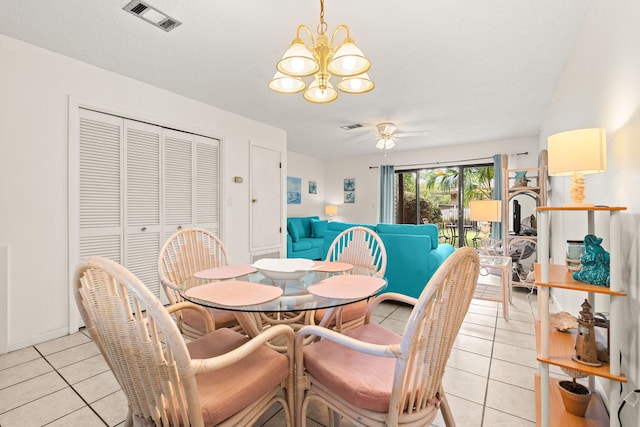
(307, 169)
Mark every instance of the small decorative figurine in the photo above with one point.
(586, 351)
(521, 179)
(595, 263)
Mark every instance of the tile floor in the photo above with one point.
(489, 381)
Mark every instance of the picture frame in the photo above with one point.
(349, 184)
(313, 187)
(349, 197)
(294, 190)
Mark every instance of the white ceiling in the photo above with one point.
(466, 70)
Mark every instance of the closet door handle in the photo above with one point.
(179, 227)
(143, 229)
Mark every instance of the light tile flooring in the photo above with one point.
(489, 380)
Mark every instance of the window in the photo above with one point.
(441, 196)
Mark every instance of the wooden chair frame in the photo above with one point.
(149, 357)
(363, 248)
(420, 358)
(183, 254)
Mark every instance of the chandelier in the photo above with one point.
(322, 60)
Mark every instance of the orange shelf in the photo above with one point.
(561, 348)
(561, 277)
(581, 208)
(595, 416)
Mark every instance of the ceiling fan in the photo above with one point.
(387, 135)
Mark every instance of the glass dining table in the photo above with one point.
(258, 301)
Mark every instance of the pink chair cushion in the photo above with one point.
(349, 312)
(363, 380)
(227, 391)
(223, 319)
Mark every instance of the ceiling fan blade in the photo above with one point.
(410, 134)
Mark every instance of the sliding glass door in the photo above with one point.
(441, 196)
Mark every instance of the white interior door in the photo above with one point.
(266, 198)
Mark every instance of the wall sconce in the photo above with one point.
(330, 211)
(576, 153)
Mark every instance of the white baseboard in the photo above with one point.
(4, 299)
(28, 342)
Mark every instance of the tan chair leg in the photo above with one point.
(445, 409)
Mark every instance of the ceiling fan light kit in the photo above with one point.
(322, 60)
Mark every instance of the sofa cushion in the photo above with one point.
(302, 245)
(430, 230)
(319, 227)
(292, 228)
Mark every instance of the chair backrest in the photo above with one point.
(362, 248)
(185, 253)
(431, 330)
(140, 342)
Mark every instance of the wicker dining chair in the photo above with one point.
(376, 377)
(183, 254)
(362, 248)
(222, 378)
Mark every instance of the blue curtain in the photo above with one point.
(496, 229)
(387, 186)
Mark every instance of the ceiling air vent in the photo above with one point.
(151, 15)
(353, 126)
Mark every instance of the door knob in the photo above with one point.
(254, 200)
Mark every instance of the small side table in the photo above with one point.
(494, 281)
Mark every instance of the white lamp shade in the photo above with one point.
(298, 61)
(356, 84)
(331, 210)
(485, 210)
(581, 150)
(349, 61)
(318, 95)
(282, 83)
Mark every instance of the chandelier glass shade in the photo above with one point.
(322, 59)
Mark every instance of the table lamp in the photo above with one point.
(487, 210)
(330, 211)
(576, 153)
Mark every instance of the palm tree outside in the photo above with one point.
(432, 196)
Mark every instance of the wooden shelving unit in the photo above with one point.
(596, 415)
(560, 352)
(560, 277)
(556, 348)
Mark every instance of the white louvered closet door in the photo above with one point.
(207, 184)
(143, 231)
(178, 181)
(100, 185)
(138, 184)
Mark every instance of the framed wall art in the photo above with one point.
(313, 187)
(349, 197)
(349, 184)
(294, 190)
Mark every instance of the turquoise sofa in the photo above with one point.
(413, 253)
(305, 237)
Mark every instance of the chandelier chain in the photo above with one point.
(322, 26)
